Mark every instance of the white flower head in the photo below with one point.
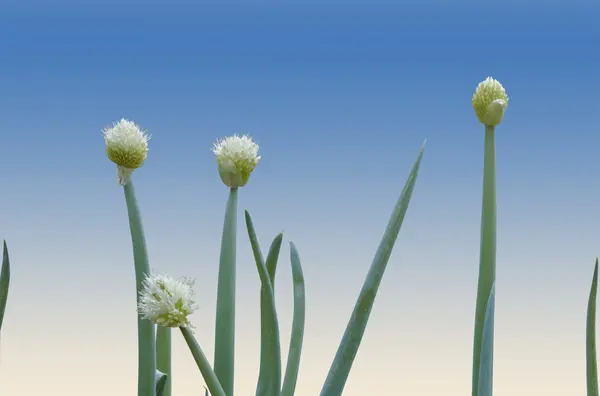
(167, 301)
(490, 102)
(126, 146)
(237, 156)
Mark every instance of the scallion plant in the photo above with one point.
(489, 102)
(127, 147)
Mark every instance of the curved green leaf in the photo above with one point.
(346, 353)
(486, 367)
(295, 351)
(161, 382)
(269, 382)
(4, 282)
(590, 339)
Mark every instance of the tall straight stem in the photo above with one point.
(487, 258)
(163, 355)
(225, 320)
(146, 329)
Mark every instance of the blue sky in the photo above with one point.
(340, 98)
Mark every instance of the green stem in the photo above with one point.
(212, 382)
(146, 329)
(487, 258)
(225, 320)
(590, 338)
(163, 355)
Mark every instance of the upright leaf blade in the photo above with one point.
(161, 383)
(486, 367)
(269, 382)
(590, 339)
(4, 282)
(297, 338)
(346, 353)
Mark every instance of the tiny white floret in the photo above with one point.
(237, 156)
(167, 301)
(126, 146)
(490, 102)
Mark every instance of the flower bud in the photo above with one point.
(126, 146)
(237, 156)
(490, 102)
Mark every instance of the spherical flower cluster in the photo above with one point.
(126, 146)
(237, 156)
(167, 301)
(490, 102)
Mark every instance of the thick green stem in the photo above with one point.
(146, 329)
(212, 382)
(225, 320)
(487, 258)
(163, 355)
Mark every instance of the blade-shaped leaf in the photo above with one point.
(161, 382)
(486, 367)
(346, 353)
(4, 282)
(295, 351)
(269, 383)
(590, 350)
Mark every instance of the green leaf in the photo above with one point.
(487, 258)
(212, 382)
(225, 321)
(295, 351)
(269, 382)
(146, 329)
(161, 383)
(346, 353)
(266, 381)
(4, 282)
(486, 368)
(590, 341)
(163, 356)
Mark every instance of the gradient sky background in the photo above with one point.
(340, 98)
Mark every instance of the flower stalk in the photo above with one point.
(146, 329)
(225, 319)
